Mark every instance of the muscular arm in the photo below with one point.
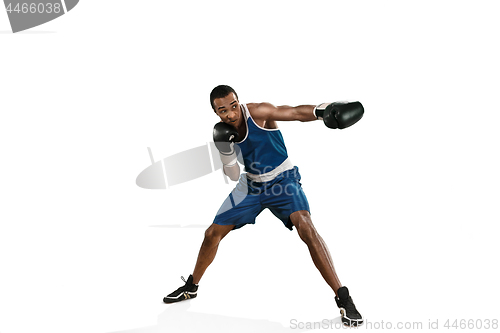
(267, 111)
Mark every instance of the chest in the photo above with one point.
(266, 124)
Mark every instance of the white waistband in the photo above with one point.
(265, 177)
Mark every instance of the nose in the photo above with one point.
(231, 115)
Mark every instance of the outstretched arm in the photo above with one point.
(334, 115)
(267, 111)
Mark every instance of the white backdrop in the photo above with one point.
(405, 199)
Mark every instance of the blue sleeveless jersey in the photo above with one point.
(262, 149)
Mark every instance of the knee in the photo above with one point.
(307, 233)
(213, 234)
(305, 228)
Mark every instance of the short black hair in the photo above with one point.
(220, 92)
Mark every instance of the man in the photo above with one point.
(271, 181)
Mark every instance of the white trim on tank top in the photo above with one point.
(268, 176)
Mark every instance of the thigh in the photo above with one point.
(239, 208)
(285, 198)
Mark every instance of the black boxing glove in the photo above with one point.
(224, 137)
(339, 114)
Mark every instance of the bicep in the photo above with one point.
(285, 112)
(268, 111)
(300, 113)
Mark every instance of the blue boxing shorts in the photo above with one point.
(283, 195)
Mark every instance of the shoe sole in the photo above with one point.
(180, 298)
(348, 321)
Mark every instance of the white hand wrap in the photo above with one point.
(230, 158)
(320, 109)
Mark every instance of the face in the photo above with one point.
(229, 110)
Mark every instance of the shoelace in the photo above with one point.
(183, 288)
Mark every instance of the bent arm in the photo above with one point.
(233, 171)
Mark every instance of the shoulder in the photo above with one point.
(260, 110)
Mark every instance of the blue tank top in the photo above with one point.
(262, 149)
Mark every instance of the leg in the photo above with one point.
(213, 235)
(317, 247)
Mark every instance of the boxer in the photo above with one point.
(249, 133)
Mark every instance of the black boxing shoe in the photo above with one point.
(349, 314)
(187, 291)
